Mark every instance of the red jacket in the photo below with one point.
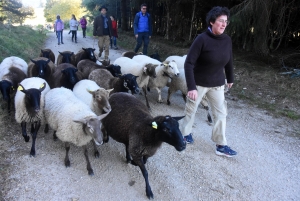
(114, 29)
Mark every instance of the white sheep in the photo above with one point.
(73, 121)
(13, 70)
(144, 72)
(164, 72)
(178, 59)
(29, 104)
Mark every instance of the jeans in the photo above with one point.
(59, 36)
(142, 37)
(83, 31)
(216, 98)
(113, 40)
(74, 33)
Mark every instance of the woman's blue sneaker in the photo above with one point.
(188, 139)
(225, 151)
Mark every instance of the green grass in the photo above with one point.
(20, 41)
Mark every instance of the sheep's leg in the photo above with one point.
(24, 133)
(88, 166)
(96, 152)
(36, 126)
(146, 97)
(184, 97)
(67, 160)
(159, 95)
(140, 163)
(8, 105)
(105, 136)
(169, 94)
(145, 158)
(128, 157)
(46, 129)
(55, 136)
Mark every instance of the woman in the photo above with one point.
(74, 27)
(83, 24)
(58, 28)
(209, 57)
(114, 37)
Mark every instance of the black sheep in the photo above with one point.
(131, 123)
(66, 57)
(85, 53)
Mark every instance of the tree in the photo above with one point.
(25, 12)
(9, 6)
(48, 6)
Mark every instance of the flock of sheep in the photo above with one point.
(83, 100)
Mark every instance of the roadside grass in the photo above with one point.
(20, 41)
(256, 81)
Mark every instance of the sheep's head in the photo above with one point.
(115, 70)
(45, 54)
(66, 56)
(100, 98)
(171, 68)
(91, 126)
(90, 52)
(5, 88)
(70, 76)
(149, 69)
(170, 131)
(32, 98)
(130, 83)
(41, 68)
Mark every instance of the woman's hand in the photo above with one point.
(229, 85)
(193, 95)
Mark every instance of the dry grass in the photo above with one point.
(257, 80)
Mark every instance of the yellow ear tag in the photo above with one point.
(20, 88)
(154, 125)
(42, 85)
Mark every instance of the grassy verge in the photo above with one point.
(20, 41)
(256, 81)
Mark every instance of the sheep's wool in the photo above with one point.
(12, 62)
(21, 113)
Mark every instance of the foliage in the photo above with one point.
(25, 12)
(14, 11)
(64, 8)
(20, 41)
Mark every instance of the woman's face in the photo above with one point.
(112, 19)
(220, 24)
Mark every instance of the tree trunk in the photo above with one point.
(124, 23)
(167, 21)
(193, 15)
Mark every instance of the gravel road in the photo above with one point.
(267, 166)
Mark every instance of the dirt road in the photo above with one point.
(267, 166)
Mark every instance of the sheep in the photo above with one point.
(178, 59)
(85, 53)
(12, 71)
(29, 104)
(86, 67)
(155, 56)
(130, 54)
(164, 71)
(131, 123)
(47, 53)
(120, 84)
(41, 67)
(179, 83)
(73, 121)
(65, 75)
(66, 57)
(133, 67)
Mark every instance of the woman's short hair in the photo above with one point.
(143, 5)
(216, 12)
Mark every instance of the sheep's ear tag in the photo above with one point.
(20, 88)
(42, 86)
(145, 69)
(154, 125)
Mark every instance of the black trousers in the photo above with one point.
(74, 34)
(83, 31)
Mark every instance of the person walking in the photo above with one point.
(73, 27)
(59, 27)
(103, 29)
(142, 29)
(208, 57)
(113, 39)
(83, 24)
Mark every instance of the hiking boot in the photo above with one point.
(115, 47)
(99, 55)
(58, 43)
(62, 42)
(224, 150)
(188, 139)
(105, 58)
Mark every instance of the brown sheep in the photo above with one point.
(47, 53)
(130, 54)
(86, 67)
(85, 53)
(120, 84)
(65, 75)
(66, 57)
(131, 123)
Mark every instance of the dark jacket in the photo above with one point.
(209, 56)
(136, 23)
(98, 26)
